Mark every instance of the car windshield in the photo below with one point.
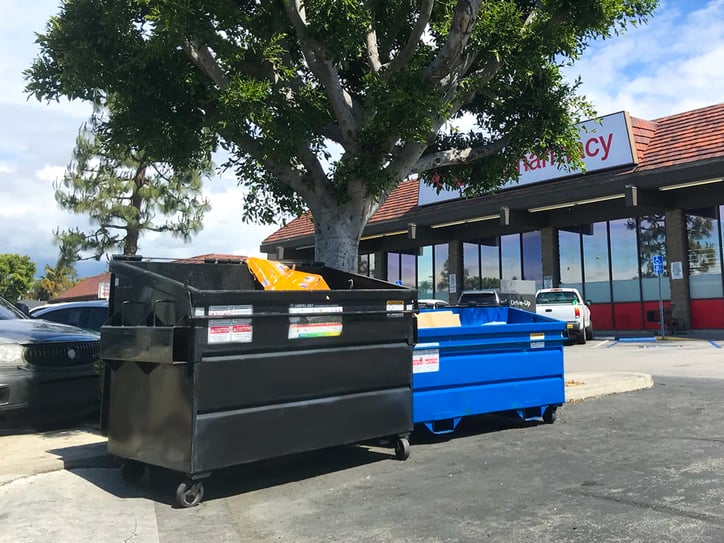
(556, 298)
(478, 296)
(9, 312)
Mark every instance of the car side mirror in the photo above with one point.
(589, 303)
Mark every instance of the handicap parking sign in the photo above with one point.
(658, 261)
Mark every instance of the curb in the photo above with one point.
(586, 385)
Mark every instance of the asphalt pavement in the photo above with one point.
(63, 486)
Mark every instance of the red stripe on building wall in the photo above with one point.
(707, 314)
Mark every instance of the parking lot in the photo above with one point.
(639, 466)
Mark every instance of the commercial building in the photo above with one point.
(653, 191)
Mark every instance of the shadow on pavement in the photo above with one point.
(160, 484)
(474, 425)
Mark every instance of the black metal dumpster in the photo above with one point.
(204, 370)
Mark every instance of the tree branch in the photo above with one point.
(463, 22)
(409, 49)
(316, 57)
(205, 61)
(458, 157)
(373, 53)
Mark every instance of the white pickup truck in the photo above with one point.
(566, 304)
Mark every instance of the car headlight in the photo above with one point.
(12, 354)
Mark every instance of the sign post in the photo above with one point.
(658, 262)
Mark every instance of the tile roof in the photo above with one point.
(686, 137)
(85, 289)
(669, 141)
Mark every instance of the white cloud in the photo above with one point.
(50, 173)
(668, 66)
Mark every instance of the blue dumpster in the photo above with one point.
(497, 359)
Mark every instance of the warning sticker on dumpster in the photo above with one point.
(219, 331)
(315, 321)
(241, 331)
(230, 331)
(425, 360)
(537, 340)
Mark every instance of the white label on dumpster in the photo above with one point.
(425, 360)
(395, 308)
(241, 331)
(219, 331)
(309, 321)
(537, 340)
(229, 310)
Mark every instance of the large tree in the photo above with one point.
(16, 276)
(59, 278)
(327, 105)
(125, 193)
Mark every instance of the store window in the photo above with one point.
(490, 266)
(569, 247)
(652, 242)
(510, 257)
(440, 263)
(624, 262)
(471, 266)
(533, 258)
(425, 277)
(596, 264)
(393, 268)
(363, 265)
(408, 272)
(401, 269)
(703, 235)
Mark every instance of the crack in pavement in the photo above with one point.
(665, 509)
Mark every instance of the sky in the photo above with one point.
(672, 64)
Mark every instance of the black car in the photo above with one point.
(48, 371)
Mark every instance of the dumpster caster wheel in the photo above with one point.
(549, 415)
(402, 449)
(190, 493)
(132, 471)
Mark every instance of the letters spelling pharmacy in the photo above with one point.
(591, 148)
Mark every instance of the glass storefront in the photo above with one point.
(704, 252)
(611, 264)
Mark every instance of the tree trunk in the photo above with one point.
(337, 230)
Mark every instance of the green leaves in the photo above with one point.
(316, 102)
(125, 193)
(16, 276)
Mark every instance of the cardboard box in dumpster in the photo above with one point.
(437, 319)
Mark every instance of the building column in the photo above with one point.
(551, 255)
(380, 265)
(455, 266)
(677, 250)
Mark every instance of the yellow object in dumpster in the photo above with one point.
(277, 276)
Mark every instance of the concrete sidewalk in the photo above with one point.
(28, 454)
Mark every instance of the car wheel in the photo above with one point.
(589, 332)
(582, 337)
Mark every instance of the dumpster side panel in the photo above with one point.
(288, 376)
(231, 437)
(499, 359)
(150, 414)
